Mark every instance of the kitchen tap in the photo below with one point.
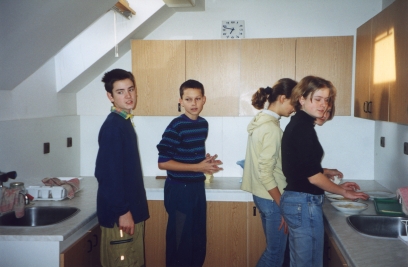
(4, 176)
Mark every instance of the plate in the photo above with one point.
(380, 194)
(331, 195)
(339, 199)
(349, 207)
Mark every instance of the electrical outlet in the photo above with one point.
(46, 148)
(405, 148)
(382, 141)
(69, 142)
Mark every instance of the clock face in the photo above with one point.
(233, 29)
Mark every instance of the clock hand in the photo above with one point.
(232, 30)
(225, 27)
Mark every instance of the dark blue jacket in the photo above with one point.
(119, 173)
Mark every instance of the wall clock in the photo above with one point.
(233, 29)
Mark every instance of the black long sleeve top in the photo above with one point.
(301, 154)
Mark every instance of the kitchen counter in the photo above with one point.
(358, 250)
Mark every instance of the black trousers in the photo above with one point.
(186, 234)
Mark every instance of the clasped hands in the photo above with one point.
(210, 164)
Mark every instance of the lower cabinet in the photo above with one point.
(234, 235)
(332, 254)
(85, 252)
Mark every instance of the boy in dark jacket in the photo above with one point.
(121, 199)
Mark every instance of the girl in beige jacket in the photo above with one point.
(263, 176)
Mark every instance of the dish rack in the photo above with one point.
(43, 192)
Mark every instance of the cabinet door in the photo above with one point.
(84, 252)
(226, 234)
(155, 234)
(399, 89)
(263, 63)
(330, 58)
(256, 236)
(216, 64)
(363, 70)
(383, 65)
(159, 70)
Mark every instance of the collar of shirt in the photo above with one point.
(123, 114)
(270, 112)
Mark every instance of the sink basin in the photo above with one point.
(39, 216)
(379, 226)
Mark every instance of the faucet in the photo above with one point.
(4, 176)
(26, 199)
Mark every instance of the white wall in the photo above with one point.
(227, 137)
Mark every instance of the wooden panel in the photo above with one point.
(159, 70)
(330, 58)
(216, 64)
(256, 236)
(226, 234)
(263, 63)
(379, 93)
(155, 234)
(399, 89)
(363, 69)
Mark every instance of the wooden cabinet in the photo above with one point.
(155, 234)
(332, 254)
(256, 236)
(85, 252)
(234, 235)
(330, 58)
(263, 63)
(381, 87)
(232, 70)
(159, 70)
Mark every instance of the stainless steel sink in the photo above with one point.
(39, 216)
(378, 226)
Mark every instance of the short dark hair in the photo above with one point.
(191, 84)
(110, 77)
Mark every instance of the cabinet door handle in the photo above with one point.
(254, 211)
(365, 106)
(90, 246)
(96, 240)
(370, 107)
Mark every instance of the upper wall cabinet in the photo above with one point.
(381, 80)
(330, 58)
(233, 70)
(159, 70)
(216, 64)
(263, 62)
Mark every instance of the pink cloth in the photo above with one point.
(71, 186)
(403, 194)
(11, 199)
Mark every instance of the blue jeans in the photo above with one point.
(275, 239)
(304, 215)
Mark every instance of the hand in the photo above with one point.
(210, 164)
(350, 186)
(330, 173)
(126, 223)
(285, 225)
(225, 27)
(233, 29)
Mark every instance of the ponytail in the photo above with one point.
(282, 87)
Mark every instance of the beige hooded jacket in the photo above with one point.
(263, 166)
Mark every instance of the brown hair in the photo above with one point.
(282, 87)
(309, 85)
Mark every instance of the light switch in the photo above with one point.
(46, 148)
(69, 142)
(382, 141)
(405, 148)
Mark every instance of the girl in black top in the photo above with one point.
(301, 203)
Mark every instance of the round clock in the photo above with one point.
(232, 29)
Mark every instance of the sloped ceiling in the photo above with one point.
(33, 31)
